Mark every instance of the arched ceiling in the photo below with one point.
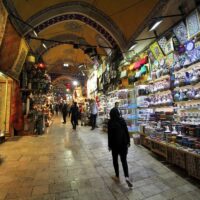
(128, 20)
(110, 23)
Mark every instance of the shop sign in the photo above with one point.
(193, 24)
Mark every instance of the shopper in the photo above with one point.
(117, 108)
(74, 115)
(94, 112)
(57, 108)
(64, 112)
(118, 143)
(83, 116)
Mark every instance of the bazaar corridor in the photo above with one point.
(72, 165)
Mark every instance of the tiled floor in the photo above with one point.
(75, 165)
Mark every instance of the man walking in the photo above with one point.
(64, 112)
(94, 112)
(74, 111)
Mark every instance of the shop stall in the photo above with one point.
(168, 98)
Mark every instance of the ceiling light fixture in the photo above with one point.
(158, 20)
(44, 45)
(133, 46)
(75, 83)
(155, 24)
(65, 65)
(83, 73)
(80, 66)
(35, 33)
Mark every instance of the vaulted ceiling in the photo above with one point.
(107, 23)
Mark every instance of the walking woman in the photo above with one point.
(118, 143)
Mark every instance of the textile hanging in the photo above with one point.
(16, 118)
(18, 64)
(9, 48)
(3, 19)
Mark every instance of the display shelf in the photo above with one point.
(196, 86)
(188, 101)
(190, 68)
(160, 93)
(160, 79)
(175, 155)
(161, 106)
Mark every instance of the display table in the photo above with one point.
(178, 156)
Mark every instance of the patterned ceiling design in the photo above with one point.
(111, 23)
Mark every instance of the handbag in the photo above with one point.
(138, 74)
(143, 70)
(137, 65)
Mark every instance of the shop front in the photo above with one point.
(159, 95)
(5, 105)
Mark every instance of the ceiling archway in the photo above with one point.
(108, 22)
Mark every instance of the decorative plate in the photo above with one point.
(189, 45)
(162, 43)
(181, 32)
(193, 25)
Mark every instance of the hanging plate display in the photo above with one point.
(169, 47)
(189, 45)
(162, 43)
(181, 32)
(155, 49)
(193, 25)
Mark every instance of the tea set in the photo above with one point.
(186, 94)
(160, 100)
(187, 78)
(159, 86)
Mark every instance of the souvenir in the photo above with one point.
(181, 32)
(189, 45)
(155, 49)
(169, 46)
(123, 74)
(195, 78)
(162, 43)
(193, 25)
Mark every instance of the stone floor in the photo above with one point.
(75, 165)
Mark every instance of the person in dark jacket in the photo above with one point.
(64, 112)
(74, 115)
(118, 143)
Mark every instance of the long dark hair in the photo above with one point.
(114, 114)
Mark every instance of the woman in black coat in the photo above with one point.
(118, 143)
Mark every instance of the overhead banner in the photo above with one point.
(3, 19)
(18, 64)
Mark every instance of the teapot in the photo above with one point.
(190, 94)
(167, 130)
(174, 131)
(165, 70)
(176, 82)
(197, 96)
(177, 96)
(177, 66)
(187, 78)
(158, 73)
